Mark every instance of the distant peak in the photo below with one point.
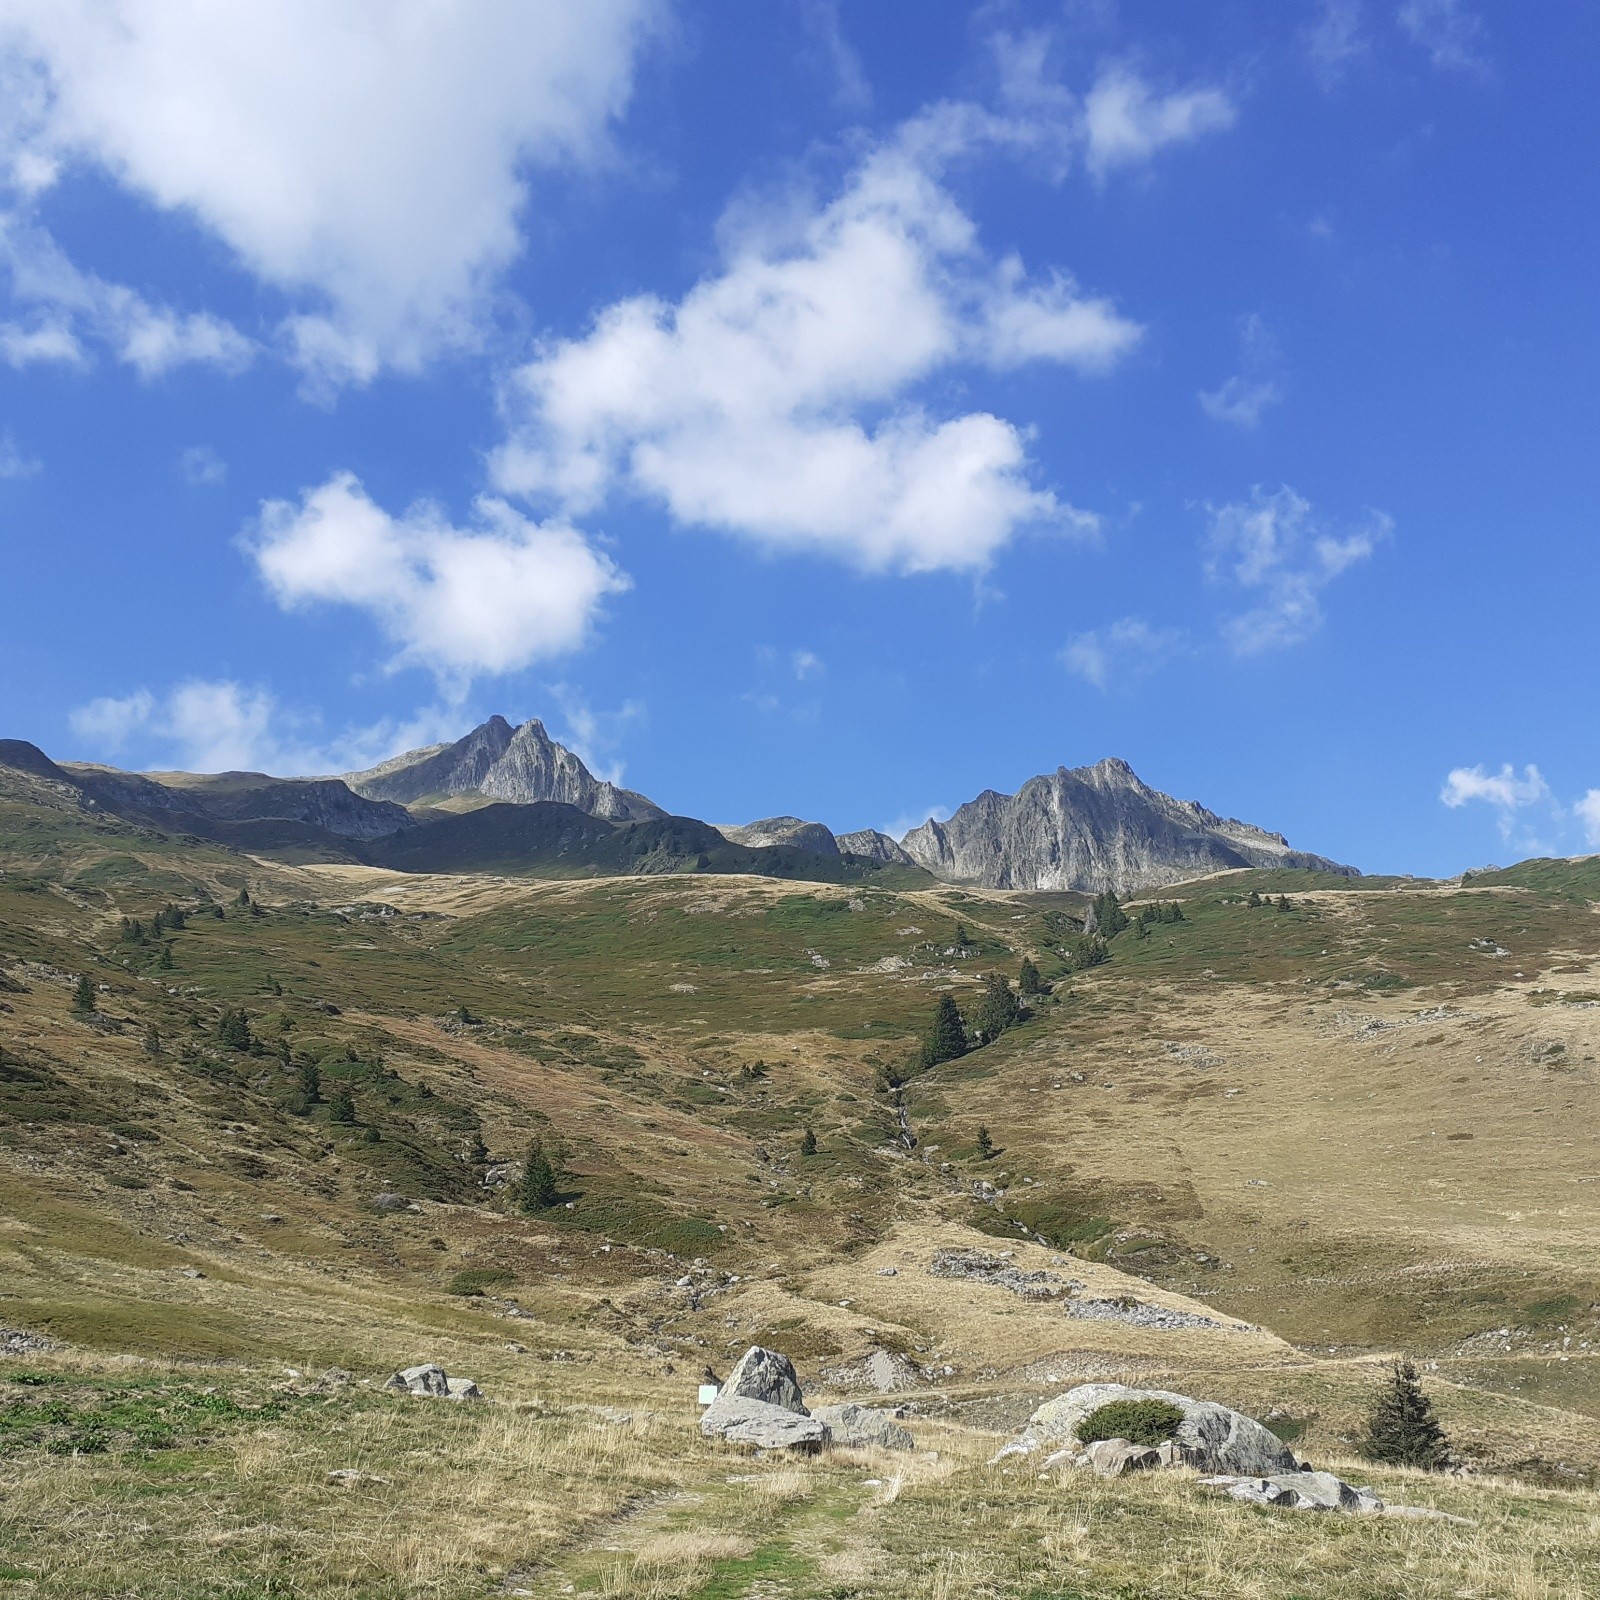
(498, 723)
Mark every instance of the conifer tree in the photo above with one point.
(1029, 981)
(341, 1106)
(540, 1185)
(152, 1040)
(985, 1144)
(243, 900)
(1402, 1429)
(947, 1038)
(310, 1081)
(83, 996)
(1283, 903)
(808, 1145)
(1254, 901)
(962, 938)
(998, 1009)
(1109, 917)
(233, 1029)
(164, 962)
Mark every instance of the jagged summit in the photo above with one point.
(522, 765)
(1094, 828)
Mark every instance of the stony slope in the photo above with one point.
(522, 765)
(1092, 829)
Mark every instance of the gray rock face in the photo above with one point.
(812, 836)
(1212, 1437)
(427, 1381)
(874, 845)
(1093, 829)
(521, 765)
(1110, 1458)
(1298, 1491)
(856, 1425)
(760, 1405)
(765, 1427)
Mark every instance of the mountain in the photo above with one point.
(522, 765)
(875, 846)
(813, 836)
(1092, 829)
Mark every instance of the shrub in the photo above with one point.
(479, 1280)
(1402, 1429)
(1148, 1422)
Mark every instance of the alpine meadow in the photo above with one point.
(450, 1154)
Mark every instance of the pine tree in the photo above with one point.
(341, 1106)
(243, 901)
(540, 1184)
(233, 1029)
(1283, 903)
(947, 1038)
(985, 1144)
(310, 1082)
(808, 1145)
(152, 1040)
(164, 962)
(1109, 917)
(1254, 901)
(1402, 1429)
(83, 996)
(1029, 981)
(998, 1010)
(962, 938)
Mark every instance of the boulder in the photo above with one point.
(763, 1426)
(861, 1425)
(1110, 1458)
(1211, 1437)
(1296, 1491)
(428, 1381)
(462, 1389)
(766, 1376)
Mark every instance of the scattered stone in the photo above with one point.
(855, 1425)
(1211, 1437)
(888, 1272)
(19, 1342)
(270, 1216)
(978, 1266)
(190, 1272)
(1110, 1458)
(351, 1478)
(1298, 1491)
(1138, 1314)
(336, 1378)
(431, 1382)
(390, 1202)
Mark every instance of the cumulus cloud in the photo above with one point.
(782, 398)
(1126, 122)
(62, 306)
(1452, 35)
(1588, 813)
(490, 598)
(1241, 399)
(1503, 789)
(1273, 546)
(218, 725)
(369, 161)
(13, 462)
(1126, 649)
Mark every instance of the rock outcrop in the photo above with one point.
(875, 846)
(812, 836)
(522, 765)
(1092, 829)
(1211, 1437)
(430, 1381)
(859, 1426)
(761, 1405)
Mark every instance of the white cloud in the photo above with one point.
(780, 400)
(66, 305)
(1336, 38)
(904, 823)
(851, 90)
(1452, 35)
(13, 463)
(1125, 649)
(1588, 813)
(806, 664)
(491, 598)
(1503, 788)
(202, 466)
(1274, 546)
(369, 160)
(593, 736)
(222, 726)
(1241, 399)
(1125, 122)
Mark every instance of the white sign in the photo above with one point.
(708, 1393)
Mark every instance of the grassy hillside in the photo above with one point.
(1359, 1123)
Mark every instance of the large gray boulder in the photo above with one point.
(1297, 1491)
(1211, 1437)
(763, 1426)
(427, 1381)
(760, 1405)
(856, 1425)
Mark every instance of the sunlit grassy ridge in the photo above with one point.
(1360, 1123)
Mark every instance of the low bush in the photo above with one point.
(1149, 1422)
(480, 1280)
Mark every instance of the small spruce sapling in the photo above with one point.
(998, 1010)
(540, 1184)
(1402, 1429)
(233, 1029)
(1029, 981)
(341, 1106)
(985, 1145)
(83, 996)
(947, 1038)
(808, 1145)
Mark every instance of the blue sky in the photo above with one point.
(804, 411)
